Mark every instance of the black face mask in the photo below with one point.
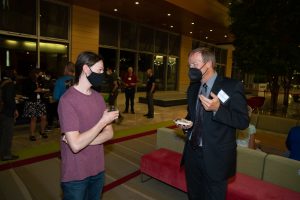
(195, 75)
(96, 79)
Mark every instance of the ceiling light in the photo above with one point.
(169, 14)
(191, 32)
(225, 36)
(137, 3)
(192, 23)
(171, 26)
(210, 30)
(116, 10)
(206, 37)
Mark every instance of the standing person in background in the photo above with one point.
(217, 107)
(62, 84)
(246, 138)
(34, 107)
(293, 143)
(150, 89)
(130, 81)
(112, 80)
(8, 114)
(85, 124)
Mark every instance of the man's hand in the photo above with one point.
(210, 104)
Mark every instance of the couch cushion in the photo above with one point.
(275, 124)
(164, 165)
(250, 162)
(243, 187)
(282, 171)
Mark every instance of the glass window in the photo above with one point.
(174, 44)
(19, 53)
(127, 59)
(218, 55)
(145, 61)
(54, 20)
(172, 73)
(159, 71)
(220, 70)
(53, 57)
(110, 57)
(161, 42)
(196, 44)
(18, 16)
(224, 56)
(128, 35)
(109, 29)
(146, 39)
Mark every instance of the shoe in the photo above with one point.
(125, 111)
(150, 116)
(32, 138)
(146, 115)
(44, 135)
(132, 112)
(10, 157)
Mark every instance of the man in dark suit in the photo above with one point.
(217, 107)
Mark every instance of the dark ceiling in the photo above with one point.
(155, 13)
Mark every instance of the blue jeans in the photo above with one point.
(88, 189)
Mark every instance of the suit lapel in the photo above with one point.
(217, 85)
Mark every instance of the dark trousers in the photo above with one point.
(6, 134)
(51, 112)
(112, 98)
(129, 96)
(149, 97)
(199, 185)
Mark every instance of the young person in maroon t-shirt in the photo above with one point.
(85, 124)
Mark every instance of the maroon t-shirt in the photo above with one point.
(80, 112)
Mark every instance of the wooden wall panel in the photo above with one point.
(186, 47)
(85, 31)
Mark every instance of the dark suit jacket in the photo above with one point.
(219, 129)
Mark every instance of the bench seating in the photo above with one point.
(164, 165)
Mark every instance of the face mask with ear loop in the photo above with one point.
(195, 74)
(95, 78)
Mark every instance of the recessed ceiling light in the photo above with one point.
(210, 30)
(137, 3)
(192, 23)
(171, 26)
(206, 37)
(169, 14)
(116, 10)
(225, 36)
(191, 32)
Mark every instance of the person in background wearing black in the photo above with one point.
(8, 114)
(129, 81)
(112, 80)
(34, 106)
(150, 89)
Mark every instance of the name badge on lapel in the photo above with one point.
(223, 96)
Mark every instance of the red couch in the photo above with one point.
(164, 165)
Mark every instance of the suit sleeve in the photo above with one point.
(234, 112)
